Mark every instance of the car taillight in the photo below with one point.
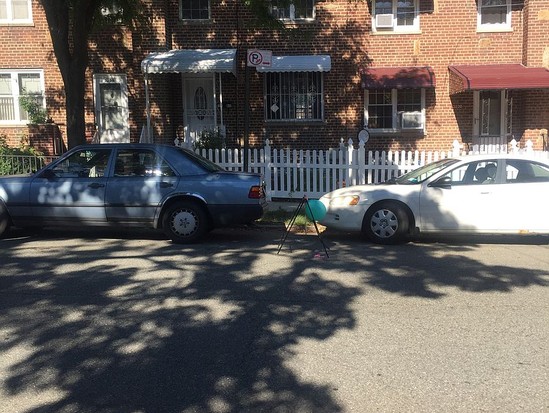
(255, 192)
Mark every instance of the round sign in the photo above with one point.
(363, 136)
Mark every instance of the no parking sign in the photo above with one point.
(259, 57)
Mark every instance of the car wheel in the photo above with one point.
(386, 223)
(185, 222)
(4, 219)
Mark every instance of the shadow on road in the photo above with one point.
(122, 325)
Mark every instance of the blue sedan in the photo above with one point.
(143, 185)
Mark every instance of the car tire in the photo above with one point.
(386, 223)
(185, 222)
(4, 219)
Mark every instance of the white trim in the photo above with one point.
(396, 28)
(10, 21)
(491, 27)
(14, 75)
(395, 114)
(112, 135)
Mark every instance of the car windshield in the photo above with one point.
(205, 163)
(421, 174)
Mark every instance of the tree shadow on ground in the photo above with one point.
(124, 325)
(162, 328)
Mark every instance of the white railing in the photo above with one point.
(295, 173)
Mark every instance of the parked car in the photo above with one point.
(144, 185)
(474, 194)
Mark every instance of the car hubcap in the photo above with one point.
(184, 222)
(384, 223)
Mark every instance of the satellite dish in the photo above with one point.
(363, 136)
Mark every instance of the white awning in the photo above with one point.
(191, 61)
(310, 63)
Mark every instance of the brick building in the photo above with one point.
(417, 74)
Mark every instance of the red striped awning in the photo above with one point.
(397, 77)
(497, 77)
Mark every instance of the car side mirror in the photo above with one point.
(445, 183)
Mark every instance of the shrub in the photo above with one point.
(37, 113)
(209, 139)
(10, 164)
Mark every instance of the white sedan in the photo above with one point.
(474, 194)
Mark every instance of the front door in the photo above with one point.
(199, 101)
(111, 108)
(490, 118)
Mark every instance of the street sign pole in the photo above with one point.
(254, 58)
(246, 118)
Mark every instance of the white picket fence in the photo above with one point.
(296, 173)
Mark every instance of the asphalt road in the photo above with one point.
(104, 321)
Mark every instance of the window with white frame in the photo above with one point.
(395, 109)
(494, 15)
(15, 84)
(15, 11)
(395, 15)
(293, 9)
(194, 9)
(294, 96)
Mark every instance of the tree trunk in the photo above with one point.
(70, 26)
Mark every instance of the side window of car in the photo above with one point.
(141, 163)
(458, 175)
(524, 171)
(84, 164)
(485, 173)
(474, 173)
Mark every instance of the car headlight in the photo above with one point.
(348, 200)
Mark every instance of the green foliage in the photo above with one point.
(209, 139)
(37, 113)
(11, 161)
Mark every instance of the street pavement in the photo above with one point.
(110, 321)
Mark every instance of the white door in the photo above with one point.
(199, 103)
(111, 108)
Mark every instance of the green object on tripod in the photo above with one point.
(315, 210)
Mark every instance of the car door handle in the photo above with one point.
(166, 185)
(96, 185)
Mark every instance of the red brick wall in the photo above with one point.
(342, 29)
(29, 47)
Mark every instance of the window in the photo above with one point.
(194, 9)
(294, 96)
(84, 164)
(140, 162)
(15, 11)
(474, 173)
(293, 10)
(494, 15)
(13, 85)
(524, 171)
(395, 15)
(395, 109)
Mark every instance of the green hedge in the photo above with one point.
(8, 163)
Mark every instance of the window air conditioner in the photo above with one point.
(411, 120)
(384, 21)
